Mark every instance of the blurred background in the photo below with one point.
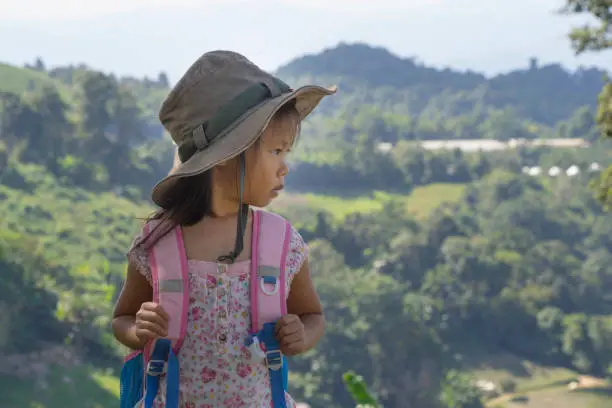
(454, 192)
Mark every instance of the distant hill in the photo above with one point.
(376, 67)
(66, 80)
(401, 98)
(390, 97)
(545, 94)
(383, 98)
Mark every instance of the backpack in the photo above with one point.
(141, 370)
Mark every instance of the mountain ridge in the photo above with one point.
(385, 53)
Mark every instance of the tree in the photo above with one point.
(589, 38)
(100, 92)
(55, 130)
(459, 392)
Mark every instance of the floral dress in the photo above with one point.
(215, 370)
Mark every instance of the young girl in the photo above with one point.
(233, 124)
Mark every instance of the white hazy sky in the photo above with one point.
(143, 37)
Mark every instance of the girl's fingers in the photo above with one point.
(152, 327)
(160, 312)
(144, 334)
(291, 338)
(289, 329)
(149, 316)
(292, 349)
(154, 308)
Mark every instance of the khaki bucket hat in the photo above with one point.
(220, 107)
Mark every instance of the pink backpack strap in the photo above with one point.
(270, 244)
(169, 275)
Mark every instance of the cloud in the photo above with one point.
(46, 10)
(362, 5)
(24, 10)
(62, 10)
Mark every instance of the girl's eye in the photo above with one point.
(278, 151)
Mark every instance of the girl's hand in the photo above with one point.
(151, 322)
(291, 335)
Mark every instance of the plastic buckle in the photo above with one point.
(274, 359)
(254, 346)
(156, 367)
(262, 286)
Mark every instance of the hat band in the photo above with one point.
(204, 134)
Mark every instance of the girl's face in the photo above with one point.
(266, 162)
(266, 165)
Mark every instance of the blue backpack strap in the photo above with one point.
(163, 360)
(277, 365)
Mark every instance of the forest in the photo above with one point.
(439, 270)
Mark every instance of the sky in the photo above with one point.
(144, 37)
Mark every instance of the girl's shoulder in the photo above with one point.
(296, 242)
(137, 254)
(298, 253)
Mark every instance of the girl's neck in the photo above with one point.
(222, 207)
(224, 201)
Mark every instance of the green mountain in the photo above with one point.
(440, 271)
(402, 99)
(544, 94)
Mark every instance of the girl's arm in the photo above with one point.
(135, 299)
(303, 304)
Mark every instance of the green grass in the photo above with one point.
(527, 375)
(339, 206)
(427, 198)
(419, 203)
(560, 397)
(82, 387)
(543, 386)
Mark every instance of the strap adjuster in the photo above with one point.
(156, 367)
(274, 359)
(269, 280)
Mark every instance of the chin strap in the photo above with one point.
(243, 216)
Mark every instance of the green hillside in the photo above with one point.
(67, 81)
(410, 86)
(418, 203)
(437, 269)
(20, 80)
(92, 388)
(400, 98)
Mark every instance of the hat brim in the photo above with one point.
(241, 135)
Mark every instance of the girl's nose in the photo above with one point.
(284, 169)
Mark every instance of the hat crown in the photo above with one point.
(212, 81)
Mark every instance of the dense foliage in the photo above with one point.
(596, 38)
(515, 268)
